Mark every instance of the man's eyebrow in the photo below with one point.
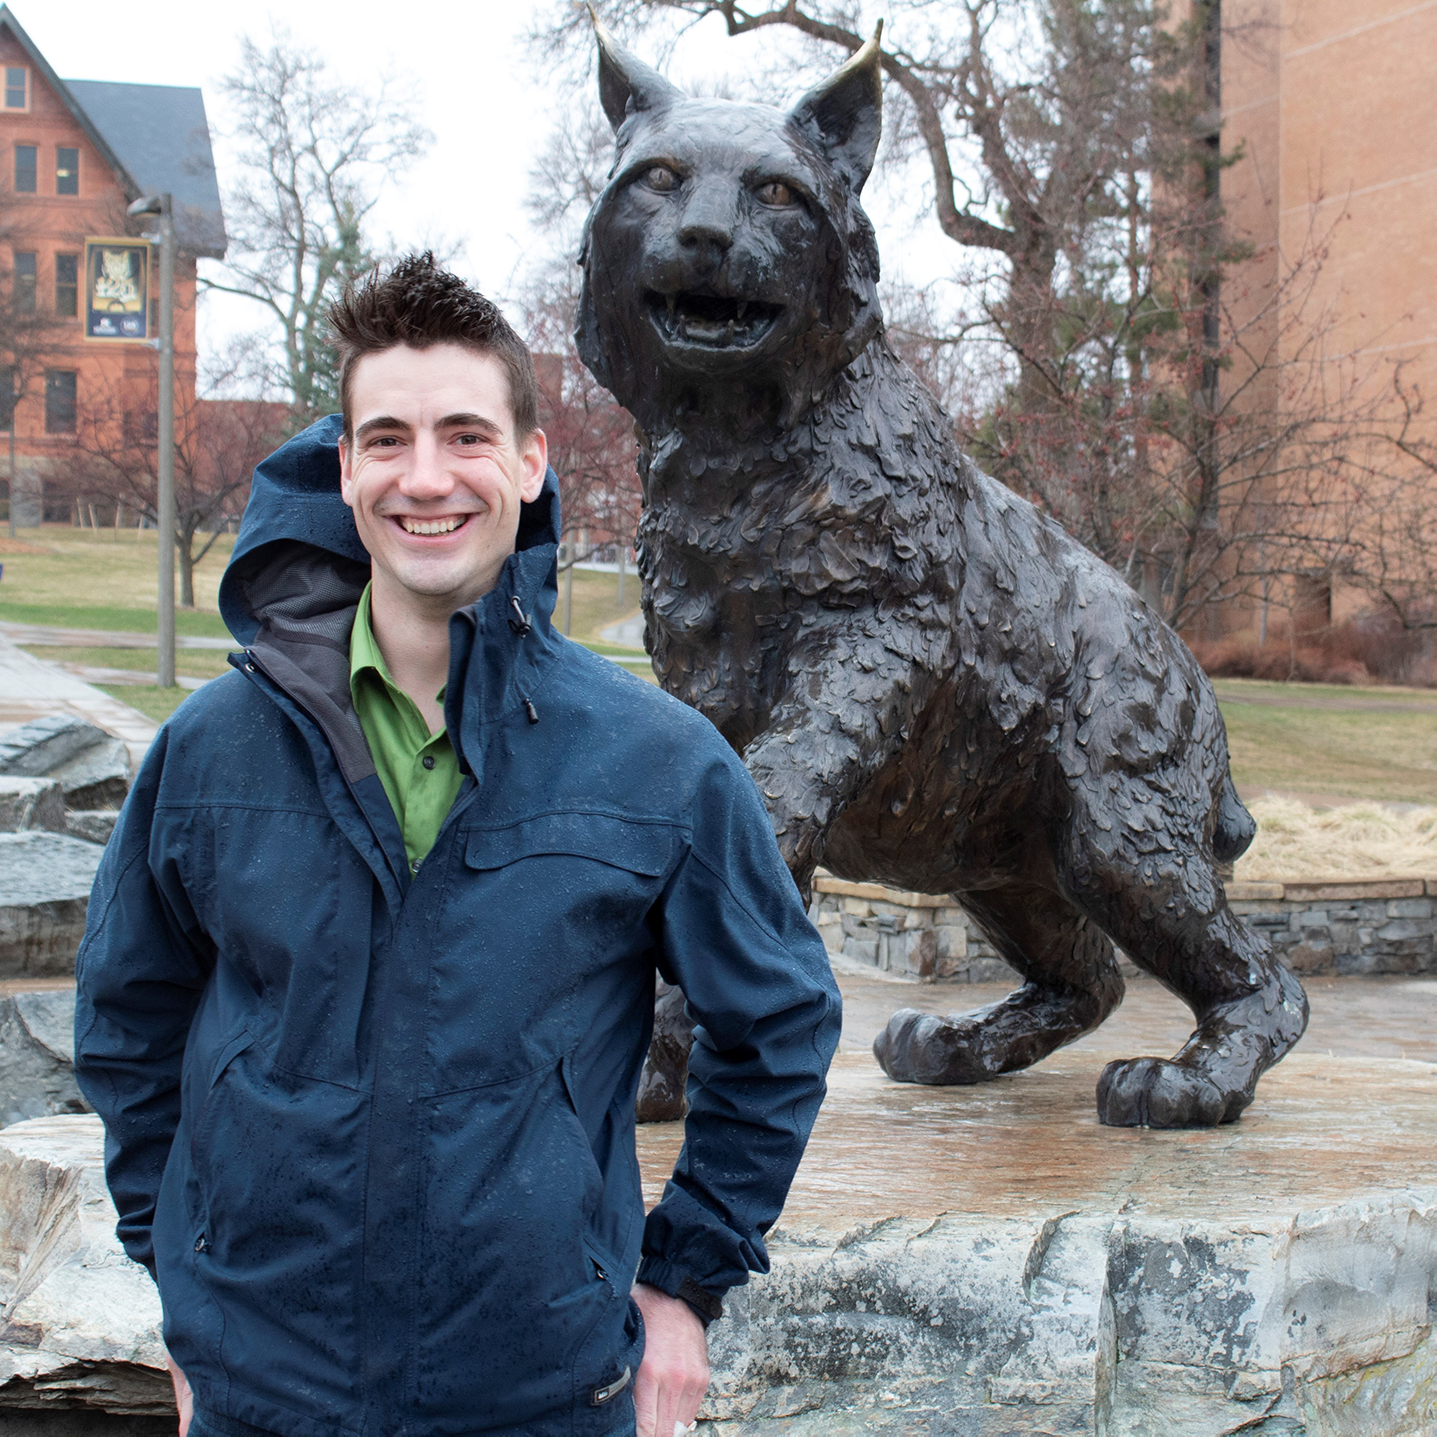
(470, 421)
(382, 421)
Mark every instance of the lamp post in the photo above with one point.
(165, 500)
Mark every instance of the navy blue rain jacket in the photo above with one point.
(372, 1131)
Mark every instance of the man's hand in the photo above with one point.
(674, 1374)
(185, 1399)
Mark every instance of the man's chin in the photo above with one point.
(450, 582)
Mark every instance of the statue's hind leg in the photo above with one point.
(1072, 984)
(1168, 912)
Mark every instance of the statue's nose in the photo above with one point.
(708, 231)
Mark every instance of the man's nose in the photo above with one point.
(428, 476)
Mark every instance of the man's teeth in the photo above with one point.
(430, 526)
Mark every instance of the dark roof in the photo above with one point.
(153, 137)
(162, 138)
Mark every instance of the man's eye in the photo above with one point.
(468, 439)
(775, 193)
(661, 178)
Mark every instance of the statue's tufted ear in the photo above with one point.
(626, 84)
(844, 115)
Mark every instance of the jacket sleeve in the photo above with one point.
(756, 977)
(141, 968)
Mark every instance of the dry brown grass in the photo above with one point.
(1361, 840)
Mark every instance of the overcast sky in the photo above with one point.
(489, 106)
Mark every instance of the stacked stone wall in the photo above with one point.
(1367, 926)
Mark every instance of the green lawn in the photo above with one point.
(191, 663)
(1285, 741)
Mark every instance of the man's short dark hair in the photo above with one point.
(419, 304)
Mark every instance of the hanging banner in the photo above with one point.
(117, 289)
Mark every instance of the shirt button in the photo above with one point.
(414, 866)
(427, 760)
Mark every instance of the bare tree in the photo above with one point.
(314, 155)
(28, 329)
(218, 442)
(591, 437)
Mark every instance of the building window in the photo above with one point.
(26, 167)
(17, 87)
(59, 401)
(25, 281)
(7, 396)
(67, 285)
(67, 171)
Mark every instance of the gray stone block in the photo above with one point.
(1409, 908)
(45, 881)
(94, 825)
(30, 803)
(97, 778)
(42, 745)
(37, 1056)
(1401, 929)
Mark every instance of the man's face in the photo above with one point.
(435, 473)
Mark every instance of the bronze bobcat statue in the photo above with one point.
(932, 684)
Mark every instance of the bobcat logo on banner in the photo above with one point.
(117, 287)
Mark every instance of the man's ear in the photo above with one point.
(626, 84)
(534, 464)
(346, 473)
(843, 116)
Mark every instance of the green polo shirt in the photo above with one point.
(419, 771)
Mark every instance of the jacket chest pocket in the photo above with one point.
(546, 926)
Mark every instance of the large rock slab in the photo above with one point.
(37, 1056)
(991, 1262)
(92, 766)
(44, 744)
(81, 1322)
(31, 803)
(45, 881)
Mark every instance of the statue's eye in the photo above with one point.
(775, 193)
(661, 178)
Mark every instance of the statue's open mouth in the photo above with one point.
(712, 321)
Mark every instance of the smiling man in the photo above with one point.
(369, 975)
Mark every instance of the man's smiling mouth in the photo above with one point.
(446, 525)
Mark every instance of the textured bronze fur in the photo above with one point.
(932, 684)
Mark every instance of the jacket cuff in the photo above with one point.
(655, 1272)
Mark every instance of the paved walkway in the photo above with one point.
(30, 688)
(102, 638)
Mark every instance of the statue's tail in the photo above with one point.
(1235, 828)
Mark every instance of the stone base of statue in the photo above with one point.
(990, 1262)
(953, 1262)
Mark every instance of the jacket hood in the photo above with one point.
(296, 520)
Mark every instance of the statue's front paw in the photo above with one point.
(924, 1048)
(1154, 1093)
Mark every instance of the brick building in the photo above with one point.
(1333, 110)
(73, 154)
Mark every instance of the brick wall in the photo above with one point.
(1370, 926)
